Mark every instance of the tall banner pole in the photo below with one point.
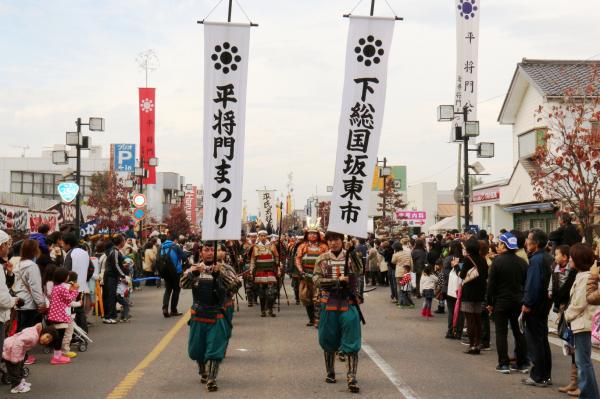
(467, 61)
(363, 101)
(225, 81)
(147, 106)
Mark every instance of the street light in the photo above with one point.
(447, 113)
(471, 128)
(96, 124)
(60, 157)
(485, 150)
(73, 138)
(384, 172)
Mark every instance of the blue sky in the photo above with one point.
(62, 59)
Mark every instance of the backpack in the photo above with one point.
(165, 267)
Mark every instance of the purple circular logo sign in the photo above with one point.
(467, 8)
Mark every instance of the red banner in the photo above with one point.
(147, 143)
(189, 202)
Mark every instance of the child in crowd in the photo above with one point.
(560, 274)
(63, 294)
(15, 348)
(66, 342)
(427, 286)
(123, 292)
(405, 289)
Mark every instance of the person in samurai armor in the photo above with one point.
(211, 284)
(336, 275)
(306, 256)
(292, 270)
(264, 266)
(248, 280)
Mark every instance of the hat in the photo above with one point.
(4, 237)
(509, 240)
(262, 232)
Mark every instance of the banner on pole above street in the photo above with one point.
(467, 61)
(266, 205)
(363, 101)
(225, 79)
(147, 106)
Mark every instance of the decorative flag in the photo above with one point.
(367, 54)
(288, 205)
(147, 106)
(266, 201)
(225, 75)
(467, 64)
(189, 202)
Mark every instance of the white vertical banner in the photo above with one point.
(266, 204)
(225, 75)
(363, 101)
(467, 61)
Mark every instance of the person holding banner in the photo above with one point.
(305, 259)
(264, 267)
(336, 275)
(211, 282)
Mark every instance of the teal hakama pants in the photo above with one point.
(339, 330)
(208, 341)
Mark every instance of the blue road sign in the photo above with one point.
(124, 157)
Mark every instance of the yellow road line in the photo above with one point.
(137, 373)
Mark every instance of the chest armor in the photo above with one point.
(202, 290)
(334, 269)
(310, 257)
(265, 259)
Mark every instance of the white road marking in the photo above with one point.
(558, 342)
(242, 350)
(389, 372)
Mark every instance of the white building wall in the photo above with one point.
(526, 119)
(501, 219)
(423, 197)
(44, 164)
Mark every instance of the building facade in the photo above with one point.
(511, 203)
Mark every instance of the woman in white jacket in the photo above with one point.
(579, 314)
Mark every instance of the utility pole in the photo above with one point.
(78, 180)
(458, 223)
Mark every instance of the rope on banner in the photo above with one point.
(357, 4)
(390, 7)
(244, 12)
(211, 11)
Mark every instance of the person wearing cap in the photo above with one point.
(504, 297)
(264, 266)
(305, 259)
(336, 276)
(211, 283)
(248, 280)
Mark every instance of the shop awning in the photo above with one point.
(542, 207)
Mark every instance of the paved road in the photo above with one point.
(404, 356)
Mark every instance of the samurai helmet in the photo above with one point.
(313, 227)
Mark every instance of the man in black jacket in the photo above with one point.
(567, 233)
(504, 296)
